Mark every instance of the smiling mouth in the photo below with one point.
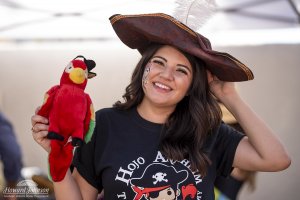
(162, 86)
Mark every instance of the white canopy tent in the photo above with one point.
(78, 20)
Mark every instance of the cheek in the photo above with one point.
(184, 83)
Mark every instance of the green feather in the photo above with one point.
(90, 132)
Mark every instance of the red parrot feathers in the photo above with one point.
(70, 113)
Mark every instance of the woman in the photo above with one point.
(166, 141)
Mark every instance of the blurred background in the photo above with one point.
(39, 38)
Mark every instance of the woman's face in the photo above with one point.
(167, 77)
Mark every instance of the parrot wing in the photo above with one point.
(48, 101)
(90, 122)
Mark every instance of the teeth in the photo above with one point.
(162, 86)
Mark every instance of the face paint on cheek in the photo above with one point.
(145, 75)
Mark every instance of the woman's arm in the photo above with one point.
(67, 188)
(73, 186)
(261, 150)
(86, 189)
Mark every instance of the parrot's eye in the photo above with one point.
(69, 68)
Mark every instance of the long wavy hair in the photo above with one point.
(194, 117)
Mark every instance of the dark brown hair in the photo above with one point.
(195, 115)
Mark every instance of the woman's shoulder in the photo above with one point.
(110, 110)
(111, 113)
(105, 110)
(224, 128)
(223, 133)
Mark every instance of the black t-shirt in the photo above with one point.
(123, 159)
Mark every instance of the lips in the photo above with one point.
(162, 86)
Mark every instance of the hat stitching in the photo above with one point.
(175, 21)
(249, 74)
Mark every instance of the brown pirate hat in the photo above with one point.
(139, 31)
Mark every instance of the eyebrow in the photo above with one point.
(181, 65)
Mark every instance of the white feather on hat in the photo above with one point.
(194, 13)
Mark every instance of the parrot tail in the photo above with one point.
(60, 159)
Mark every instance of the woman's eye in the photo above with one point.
(182, 71)
(158, 62)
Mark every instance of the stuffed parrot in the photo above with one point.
(71, 115)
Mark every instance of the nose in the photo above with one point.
(167, 73)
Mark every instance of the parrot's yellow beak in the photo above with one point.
(77, 75)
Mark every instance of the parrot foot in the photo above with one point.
(55, 136)
(77, 142)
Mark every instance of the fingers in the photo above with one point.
(40, 127)
(39, 131)
(39, 124)
(39, 136)
(211, 77)
(38, 119)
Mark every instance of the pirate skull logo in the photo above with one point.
(159, 177)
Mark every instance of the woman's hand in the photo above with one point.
(40, 130)
(219, 88)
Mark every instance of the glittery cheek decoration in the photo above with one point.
(145, 75)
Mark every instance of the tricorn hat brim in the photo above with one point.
(139, 31)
